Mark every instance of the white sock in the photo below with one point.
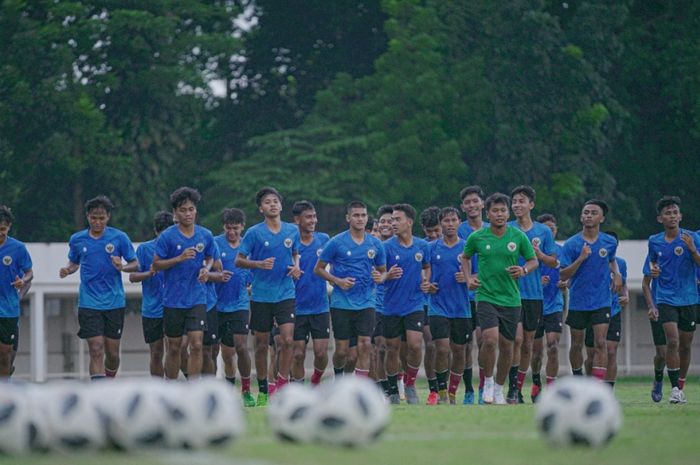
(488, 380)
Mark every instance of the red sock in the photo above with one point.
(455, 379)
(551, 379)
(361, 373)
(481, 378)
(111, 373)
(411, 375)
(599, 373)
(281, 381)
(681, 383)
(316, 377)
(271, 388)
(245, 384)
(521, 379)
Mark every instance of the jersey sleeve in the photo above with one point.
(696, 239)
(247, 243)
(25, 260)
(526, 249)
(613, 251)
(162, 246)
(427, 249)
(568, 253)
(127, 248)
(73, 251)
(651, 256)
(548, 245)
(296, 242)
(211, 249)
(140, 258)
(380, 257)
(623, 270)
(328, 251)
(646, 268)
(470, 246)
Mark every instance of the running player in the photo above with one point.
(99, 252)
(430, 223)
(312, 313)
(16, 274)
(385, 232)
(271, 250)
(651, 272)
(587, 260)
(675, 253)
(152, 295)
(498, 249)
(210, 341)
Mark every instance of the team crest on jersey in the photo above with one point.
(109, 248)
(199, 247)
(7, 260)
(418, 256)
(603, 253)
(371, 253)
(511, 246)
(678, 251)
(288, 243)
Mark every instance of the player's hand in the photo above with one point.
(117, 262)
(460, 277)
(226, 275)
(425, 286)
(267, 264)
(63, 272)
(653, 314)
(433, 288)
(516, 271)
(294, 271)
(188, 254)
(203, 276)
(474, 283)
(376, 276)
(689, 242)
(654, 270)
(395, 272)
(623, 300)
(152, 270)
(563, 284)
(18, 283)
(345, 283)
(585, 252)
(538, 252)
(546, 280)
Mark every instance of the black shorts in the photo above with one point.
(352, 323)
(263, 315)
(315, 326)
(426, 318)
(614, 331)
(475, 320)
(352, 342)
(152, 329)
(378, 325)
(211, 334)
(179, 321)
(582, 319)
(549, 324)
(684, 317)
(505, 318)
(231, 323)
(107, 323)
(459, 330)
(657, 333)
(395, 326)
(9, 332)
(531, 314)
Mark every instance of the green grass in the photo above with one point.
(658, 434)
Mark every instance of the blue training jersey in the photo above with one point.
(451, 299)
(151, 288)
(211, 286)
(589, 287)
(15, 262)
(101, 285)
(182, 288)
(615, 307)
(232, 296)
(312, 291)
(553, 297)
(463, 231)
(403, 296)
(676, 285)
(259, 243)
(540, 236)
(353, 260)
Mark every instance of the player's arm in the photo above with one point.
(69, 269)
(646, 290)
(320, 270)
(617, 276)
(141, 276)
(425, 274)
(472, 281)
(566, 273)
(243, 261)
(25, 280)
(130, 266)
(690, 242)
(162, 264)
(217, 274)
(517, 272)
(624, 296)
(295, 269)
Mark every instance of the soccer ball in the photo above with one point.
(578, 411)
(352, 412)
(15, 421)
(38, 400)
(290, 413)
(74, 422)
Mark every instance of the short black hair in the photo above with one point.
(6, 215)
(162, 221)
(232, 216)
(429, 218)
(184, 194)
(407, 209)
(356, 204)
(301, 206)
(384, 209)
(667, 201)
(447, 211)
(498, 197)
(527, 191)
(544, 217)
(101, 201)
(267, 190)
(600, 203)
(613, 234)
(471, 190)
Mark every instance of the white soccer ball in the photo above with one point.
(352, 412)
(291, 413)
(73, 420)
(15, 421)
(578, 411)
(38, 399)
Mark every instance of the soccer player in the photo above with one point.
(379, 354)
(675, 252)
(651, 272)
(313, 317)
(553, 290)
(16, 273)
(430, 223)
(233, 303)
(450, 312)
(152, 295)
(210, 338)
(271, 250)
(185, 252)
(588, 262)
(358, 261)
(531, 294)
(498, 249)
(99, 252)
(408, 268)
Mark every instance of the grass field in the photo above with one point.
(658, 434)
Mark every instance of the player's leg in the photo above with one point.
(402, 368)
(156, 350)
(184, 355)
(531, 316)
(512, 395)
(8, 336)
(362, 327)
(686, 328)
(439, 327)
(301, 339)
(380, 353)
(393, 328)
(589, 343)
(261, 323)
(113, 327)
(612, 342)
(341, 334)
(460, 329)
(351, 359)
(413, 326)
(536, 362)
(429, 354)
(488, 321)
(210, 339)
(91, 328)
(552, 368)
(195, 345)
(578, 322)
(320, 347)
(284, 314)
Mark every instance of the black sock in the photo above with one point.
(536, 379)
(442, 380)
(673, 376)
(659, 375)
(433, 384)
(339, 371)
(611, 383)
(262, 385)
(380, 384)
(385, 386)
(467, 378)
(231, 380)
(577, 372)
(513, 377)
(393, 384)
